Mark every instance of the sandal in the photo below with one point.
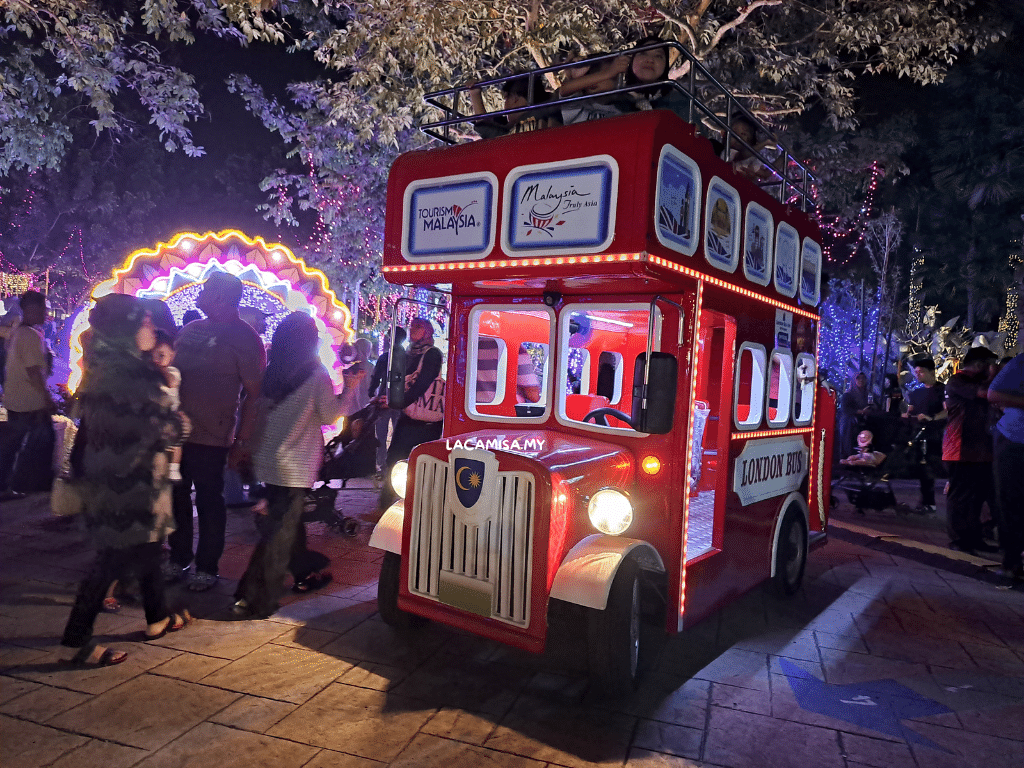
(175, 623)
(108, 658)
(110, 605)
(312, 582)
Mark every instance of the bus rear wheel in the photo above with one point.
(387, 595)
(791, 552)
(615, 634)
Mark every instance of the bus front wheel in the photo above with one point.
(387, 594)
(614, 634)
(791, 552)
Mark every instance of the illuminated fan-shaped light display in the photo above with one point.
(276, 281)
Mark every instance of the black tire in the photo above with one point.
(387, 594)
(614, 642)
(791, 553)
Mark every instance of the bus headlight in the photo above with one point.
(399, 476)
(610, 511)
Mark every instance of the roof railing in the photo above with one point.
(791, 182)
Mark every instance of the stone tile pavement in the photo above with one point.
(894, 654)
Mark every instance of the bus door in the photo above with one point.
(709, 444)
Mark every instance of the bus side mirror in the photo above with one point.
(656, 418)
(396, 378)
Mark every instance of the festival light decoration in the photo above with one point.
(276, 282)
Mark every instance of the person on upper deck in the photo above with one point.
(745, 162)
(517, 93)
(592, 79)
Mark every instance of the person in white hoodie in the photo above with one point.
(298, 399)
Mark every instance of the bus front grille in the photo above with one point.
(483, 565)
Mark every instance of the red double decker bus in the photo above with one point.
(632, 420)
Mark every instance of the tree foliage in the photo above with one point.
(784, 56)
(63, 60)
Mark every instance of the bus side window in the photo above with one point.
(748, 397)
(490, 369)
(806, 376)
(780, 388)
(578, 381)
(609, 376)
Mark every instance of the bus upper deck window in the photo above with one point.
(780, 388)
(806, 377)
(751, 367)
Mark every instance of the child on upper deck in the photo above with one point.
(517, 94)
(745, 162)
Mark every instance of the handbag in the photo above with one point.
(65, 498)
(430, 405)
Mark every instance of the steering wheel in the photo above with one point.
(598, 415)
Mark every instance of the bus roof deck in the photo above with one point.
(708, 101)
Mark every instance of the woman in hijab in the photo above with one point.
(126, 425)
(299, 400)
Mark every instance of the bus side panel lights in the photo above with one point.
(698, 304)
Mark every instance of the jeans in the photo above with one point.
(203, 467)
(111, 564)
(385, 419)
(1009, 476)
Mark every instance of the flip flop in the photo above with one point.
(111, 605)
(175, 623)
(108, 658)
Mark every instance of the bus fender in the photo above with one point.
(585, 575)
(387, 534)
(801, 502)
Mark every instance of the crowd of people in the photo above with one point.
(972, 426)
(164, 413)
(605, 85)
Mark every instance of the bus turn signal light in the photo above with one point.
(651, 465)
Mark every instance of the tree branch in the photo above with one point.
(742, 17)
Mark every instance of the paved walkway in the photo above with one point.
(892, 655)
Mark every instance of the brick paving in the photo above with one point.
(896, 652)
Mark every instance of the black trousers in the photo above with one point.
(1009, 477)
(26, 451)
(408, 434)
(282, 547)
(202, 466)
(142, 560)
(970, 484)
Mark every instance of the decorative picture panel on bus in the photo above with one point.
(758, 244)
(722, 226)
(787, 245)
(560, 208)
(678, 201)
(451, 218)
(810, 272)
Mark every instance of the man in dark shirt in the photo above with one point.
(378, 387)
(967, 450)
(422, 371)
(926, 415)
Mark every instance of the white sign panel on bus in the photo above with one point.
(451, 218)
(560, 208)
(769, 468)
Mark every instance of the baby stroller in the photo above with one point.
(349, 454)
(865, 479)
